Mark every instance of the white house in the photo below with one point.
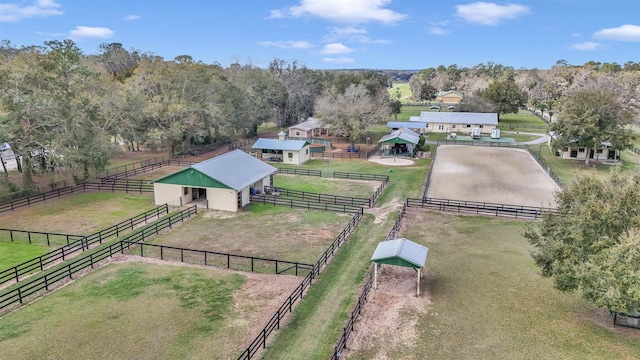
(293, 152)
(225, 182)
(308, 129)
(458, 122)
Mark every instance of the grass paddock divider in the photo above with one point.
(46, 280)
(480, 208)
(260, 342)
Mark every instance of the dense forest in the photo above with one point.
(66, 112)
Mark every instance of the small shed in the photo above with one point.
(283, 150)
(400, 252)
(400, 141)
(224, 182)
(311, 128)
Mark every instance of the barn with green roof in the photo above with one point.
(222, 183)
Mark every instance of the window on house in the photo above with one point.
(480, 126)
(426, 126)
(306, 151)
(440, 127)
(581, 150)
(565, 149)
(599, 151)
(297, 133)
(468, 125)
(185, 191)
(290, 155)
(453, 126)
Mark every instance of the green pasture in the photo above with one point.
(488, 301)
(135, 311)
(13, 253)
(331, 186)
(405, 91)
(77, 214)
(267, 231)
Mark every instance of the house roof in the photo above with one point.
(450, 92)
(235, 170)
(401, 136)
(277, 144)
(310, 124)
(406, 125)
(402, 252)
(466, 118)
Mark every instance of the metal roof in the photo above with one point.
(276, 144)
(406, 125)
(310, 124)
(401, 252)
(401, 136)
(235, 169)
(467, 118)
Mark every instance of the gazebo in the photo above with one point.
(400, 141)
(400, 252)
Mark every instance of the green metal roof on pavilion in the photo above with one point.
(401, 252)
(400, 136)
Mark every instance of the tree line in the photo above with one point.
(63, 112)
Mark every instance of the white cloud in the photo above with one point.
(486, 13)
(132, 17)
(55, 35)
(14, 12)
(351, 34)
(351, 12)
(287, 44)
(586, 46)
(626, 32)
(83, 32)
(438, 31)
(335, 48)
(576, 35)
(339, 60)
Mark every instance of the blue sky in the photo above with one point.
(339, 34)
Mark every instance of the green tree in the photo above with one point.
(590, 118)
(592, 243)
(506, 96)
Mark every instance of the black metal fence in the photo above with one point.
(546, 168)
(633, 149)
(480, 208)
(54, 277)
(483, 143)
(143, 168)
(219, 259)
(317, 197)
(304, 172)
(348, 328)
(82, 244)
(378, 192)
(39, 237)
(359, 176)
(260, 342)
(292, 203)
(337, 155)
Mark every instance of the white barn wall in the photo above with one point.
(166, 193)
(222, 199)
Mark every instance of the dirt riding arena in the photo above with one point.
(486, 174)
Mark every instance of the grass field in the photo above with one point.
(343, 187)
(12, 254)
(79, 214)
(262, 231)
(144, 311)
(405, 91)
(485, 299)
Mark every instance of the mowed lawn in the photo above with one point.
(80, 214)
(331, 186)
(486, 300)
(266, 231)
(14, 253)
(146, 311)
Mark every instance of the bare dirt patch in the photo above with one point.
(495, 175)
(389, 319)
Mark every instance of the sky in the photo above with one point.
(340, 34)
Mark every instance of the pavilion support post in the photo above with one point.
(418, 284)
(375, 275)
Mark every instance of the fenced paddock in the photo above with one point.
(491, 175)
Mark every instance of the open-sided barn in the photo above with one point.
(225, 181)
